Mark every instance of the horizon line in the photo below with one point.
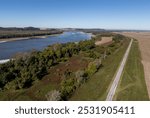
(74, 28)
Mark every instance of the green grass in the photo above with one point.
(12, 95)
(40, 90)
(96, 88)
(132, 86)
(36, 92)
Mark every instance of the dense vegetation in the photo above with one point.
(22, 72)
(25, 71)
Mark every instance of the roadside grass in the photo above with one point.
(132, 86)
(97, 87)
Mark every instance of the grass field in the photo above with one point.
(132, 86)
(96, 88)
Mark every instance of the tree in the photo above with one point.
(93, 66)
(67, 88)
(86, 45)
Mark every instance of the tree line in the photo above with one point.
(22, 72)
(26, 33)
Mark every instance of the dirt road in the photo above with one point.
(114, 85)
(144, 44)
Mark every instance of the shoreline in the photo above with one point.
(32, 37)
(25, 38)
(4, 61)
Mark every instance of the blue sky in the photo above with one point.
(108, 14)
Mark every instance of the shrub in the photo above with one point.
(53, 95)
(81, 76)
(86, 45)
(92, 54)
(118, 38)
(67, 88)
(10, 86)
(93, 67)
(97, 63)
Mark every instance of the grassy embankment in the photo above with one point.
(132, 85)
(97, 87)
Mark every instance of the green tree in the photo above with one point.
(93, 67)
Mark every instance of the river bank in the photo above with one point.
(24, 38)
(13, 47)
(4, 61)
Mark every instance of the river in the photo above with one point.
(9, 49)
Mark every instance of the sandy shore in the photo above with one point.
(144, 44)
(24, 38)
(4, 61)
(21, 38)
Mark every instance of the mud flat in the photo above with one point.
(144, 44)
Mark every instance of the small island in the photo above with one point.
(13, 34)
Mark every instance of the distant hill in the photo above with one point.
(18, 29)
(92, 30)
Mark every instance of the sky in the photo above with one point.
(105, 14)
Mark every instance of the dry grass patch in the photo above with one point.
(104, 40)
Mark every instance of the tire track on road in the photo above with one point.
(114, 85)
